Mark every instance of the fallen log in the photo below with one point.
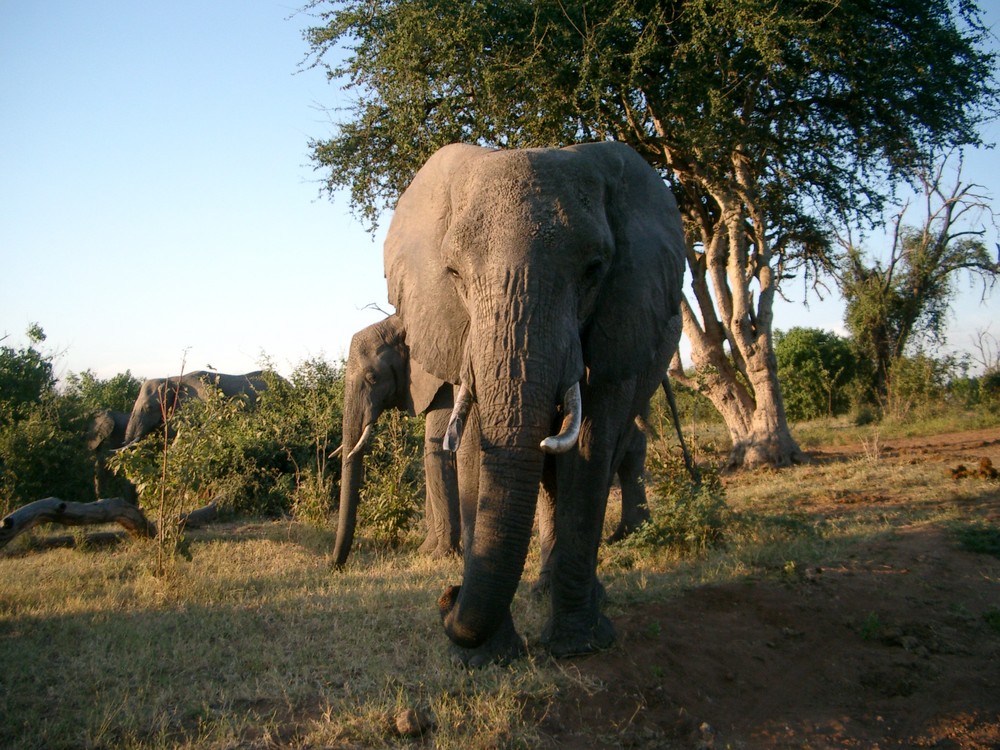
(54, 510)
(199, 517)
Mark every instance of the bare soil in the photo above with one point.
(895, 647)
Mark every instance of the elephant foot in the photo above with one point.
(443, 551)
(573, 639)
(429, 545)
(624, 531)
(501, 648)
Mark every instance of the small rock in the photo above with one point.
(409, 723)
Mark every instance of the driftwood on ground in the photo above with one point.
(106, 510)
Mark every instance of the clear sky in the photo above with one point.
(158, 205)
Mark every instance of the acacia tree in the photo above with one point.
(904, 298)
(764, 115)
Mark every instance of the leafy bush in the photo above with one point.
(44, 454)
(692, 517)
(117, 393)
(25, 377)
(305, 414)
(43, 449)
(692, 520)
(815, 369)
(271, 460)
(917, 384)
(394, 477)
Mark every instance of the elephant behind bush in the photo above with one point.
(161, 395)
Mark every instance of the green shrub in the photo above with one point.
(815, 369)
(393, 488)
(44, 454)
(691, 517)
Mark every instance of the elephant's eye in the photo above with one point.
(370, 377)
(452, 272)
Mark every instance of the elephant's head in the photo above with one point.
(518, 274)
(156, 397)
(378, 376)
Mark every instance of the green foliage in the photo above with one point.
(815, 369)
(394, 477)
(43, 450)
(816, 102)
(269, 460)
(304, 414)
(692, 521)
(690, 517)
(117, 393)
(44, 454)
(26, 377)
(917, 384)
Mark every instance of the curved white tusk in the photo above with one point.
(456, 422)
(339, 449)
(570, 430)
(362, 442)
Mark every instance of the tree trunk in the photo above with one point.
(731, 345)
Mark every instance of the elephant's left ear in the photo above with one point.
(631, 328)
(419, 283)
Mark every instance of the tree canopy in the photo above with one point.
(764, 117)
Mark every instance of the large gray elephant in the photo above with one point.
(147, 412)
(379, 375)
(547, 282)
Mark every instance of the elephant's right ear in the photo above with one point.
(420, 286)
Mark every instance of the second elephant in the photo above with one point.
(380, 375)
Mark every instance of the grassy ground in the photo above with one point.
(257, 642)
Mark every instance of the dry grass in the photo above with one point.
(256, 642)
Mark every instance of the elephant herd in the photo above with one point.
(537, 296)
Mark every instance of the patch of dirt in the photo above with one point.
(895, 648)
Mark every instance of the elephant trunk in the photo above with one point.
(351, 475)
(357, 430)
(508, 490)
(518, 391)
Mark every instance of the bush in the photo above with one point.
(691, 517)
(815, 369)
(44, 454)
(117, 393)
(393, 488)
(917, 384)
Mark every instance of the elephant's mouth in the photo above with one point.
(561, 442)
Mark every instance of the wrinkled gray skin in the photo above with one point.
(524, 276)
(378, 376)
(105, 435)
(147, 413)
(632, 479)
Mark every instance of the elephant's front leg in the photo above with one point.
(442, 509)
(577, 625)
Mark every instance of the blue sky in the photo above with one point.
(158, 207)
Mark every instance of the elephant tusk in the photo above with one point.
(337, 451)
(362, 442)
(570, 430)
(456, 422)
